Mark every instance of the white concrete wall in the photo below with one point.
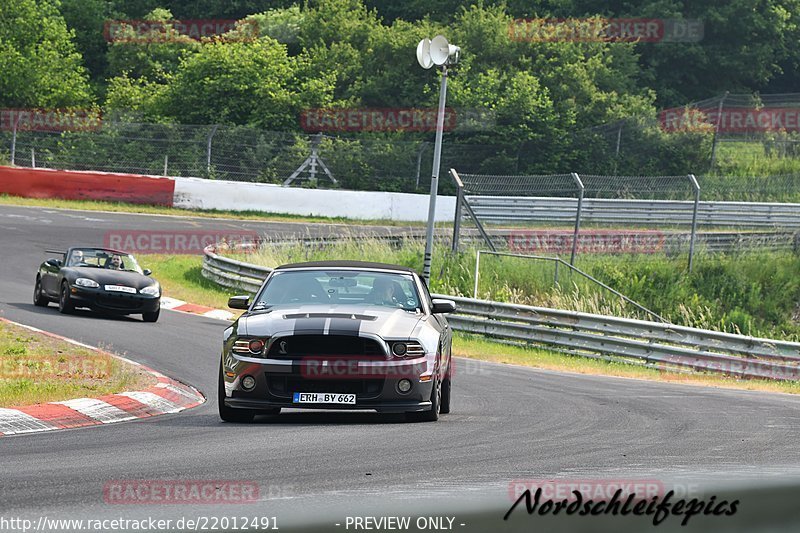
(199, 193)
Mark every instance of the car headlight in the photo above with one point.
(152, 290)
(249, 346)
(86, 282)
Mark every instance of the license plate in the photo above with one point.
(120, 288)
(324, 397)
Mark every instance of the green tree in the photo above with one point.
(40, 64)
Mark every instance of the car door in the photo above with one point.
(49, 274)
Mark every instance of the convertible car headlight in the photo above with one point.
(86, 282)
(152, 290)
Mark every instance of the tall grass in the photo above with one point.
(753, 293)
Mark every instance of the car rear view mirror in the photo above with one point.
(53, 262)
(239, 302)
(443, 306)
(343, 282)
(147, 271)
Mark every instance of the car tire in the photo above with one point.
(65, 305)
(447, 385)
(39, 299)
(151, 317)
(431, 415)
(229, 414)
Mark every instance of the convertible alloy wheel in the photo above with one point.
(39, 299)
(432, 415)
(65, 305)
(229, 414)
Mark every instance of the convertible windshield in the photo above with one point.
(99, 258)
(341, 287)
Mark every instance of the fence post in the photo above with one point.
(166, 159)
(696, 187)
(419, 161)
(33, 158)
(14, 139)
(581, 188)
(457, 218)
(477, 273)
(716, 131)
(208, 148)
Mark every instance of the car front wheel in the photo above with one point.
(431, 415)
(39, 299)
(229, 414)
(65, 304)
(151, 317)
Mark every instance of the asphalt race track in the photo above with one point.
(508, 423)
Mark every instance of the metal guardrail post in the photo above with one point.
(457, 218)
(693, 238)
(477, 273)
(581, 190)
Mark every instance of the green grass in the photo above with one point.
(36, 368)
(180, 277)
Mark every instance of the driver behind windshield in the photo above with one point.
(76, 258)
(115, 263)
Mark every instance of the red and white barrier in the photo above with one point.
(196, 193)
(80, 185)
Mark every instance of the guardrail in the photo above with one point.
(664, 346)
(494, 209)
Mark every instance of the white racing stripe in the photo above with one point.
(13, 421)
(98, 410)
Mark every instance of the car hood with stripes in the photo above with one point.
(356, 320)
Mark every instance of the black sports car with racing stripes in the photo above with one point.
(338, 335)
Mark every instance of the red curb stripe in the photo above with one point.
(58, 415)
(130, 406)
(178, 399)
(194, 308)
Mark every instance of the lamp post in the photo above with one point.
(441, 53)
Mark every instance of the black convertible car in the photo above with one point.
(337, 335)
(99, 278)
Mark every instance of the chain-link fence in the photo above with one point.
(242, 153)
(720, 134)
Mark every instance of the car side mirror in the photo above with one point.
(239, 302)
(53, 262)
(443, 306)
(147, 271)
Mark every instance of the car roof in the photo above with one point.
(366, 265)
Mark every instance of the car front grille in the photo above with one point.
(285, 386)
(119, 302)
(303, 346)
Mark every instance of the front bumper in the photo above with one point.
(114, 302)
(374, 382)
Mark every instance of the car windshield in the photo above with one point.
(341, 287)
(99, 258)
